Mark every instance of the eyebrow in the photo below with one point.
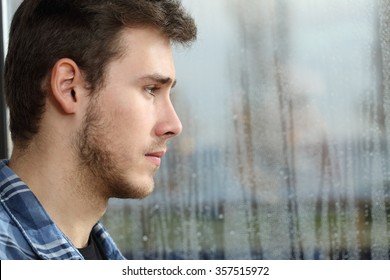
(160, 79)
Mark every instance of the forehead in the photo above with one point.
(146, 49)
(143, 39)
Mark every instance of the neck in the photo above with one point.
(67, 194)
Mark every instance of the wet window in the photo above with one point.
(285, 152)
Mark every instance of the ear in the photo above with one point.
(65, 82)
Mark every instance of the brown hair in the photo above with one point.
(87, 31)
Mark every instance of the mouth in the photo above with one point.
(155, 157)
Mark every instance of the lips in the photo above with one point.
(155, 157)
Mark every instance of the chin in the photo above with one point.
(132, 189)
(142, 192)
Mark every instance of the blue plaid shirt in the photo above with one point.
(27, 232)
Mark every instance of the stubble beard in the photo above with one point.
(98, 167)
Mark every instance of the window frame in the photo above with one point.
(3, 114)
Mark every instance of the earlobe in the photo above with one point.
(64, 84)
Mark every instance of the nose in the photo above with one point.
(168, 124)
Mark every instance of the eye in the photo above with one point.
(151, 90)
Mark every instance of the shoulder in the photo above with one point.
(13, 245)
(26, 230)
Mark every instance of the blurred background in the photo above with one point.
(285, 152)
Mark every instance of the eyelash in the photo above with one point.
(151, 90)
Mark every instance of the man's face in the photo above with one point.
(126, 128)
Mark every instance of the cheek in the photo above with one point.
(129, 115)
(132, 125)
(131, 118)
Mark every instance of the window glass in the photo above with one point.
(285, 149)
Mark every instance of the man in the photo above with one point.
(88, 87)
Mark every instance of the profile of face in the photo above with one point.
(127, 125)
